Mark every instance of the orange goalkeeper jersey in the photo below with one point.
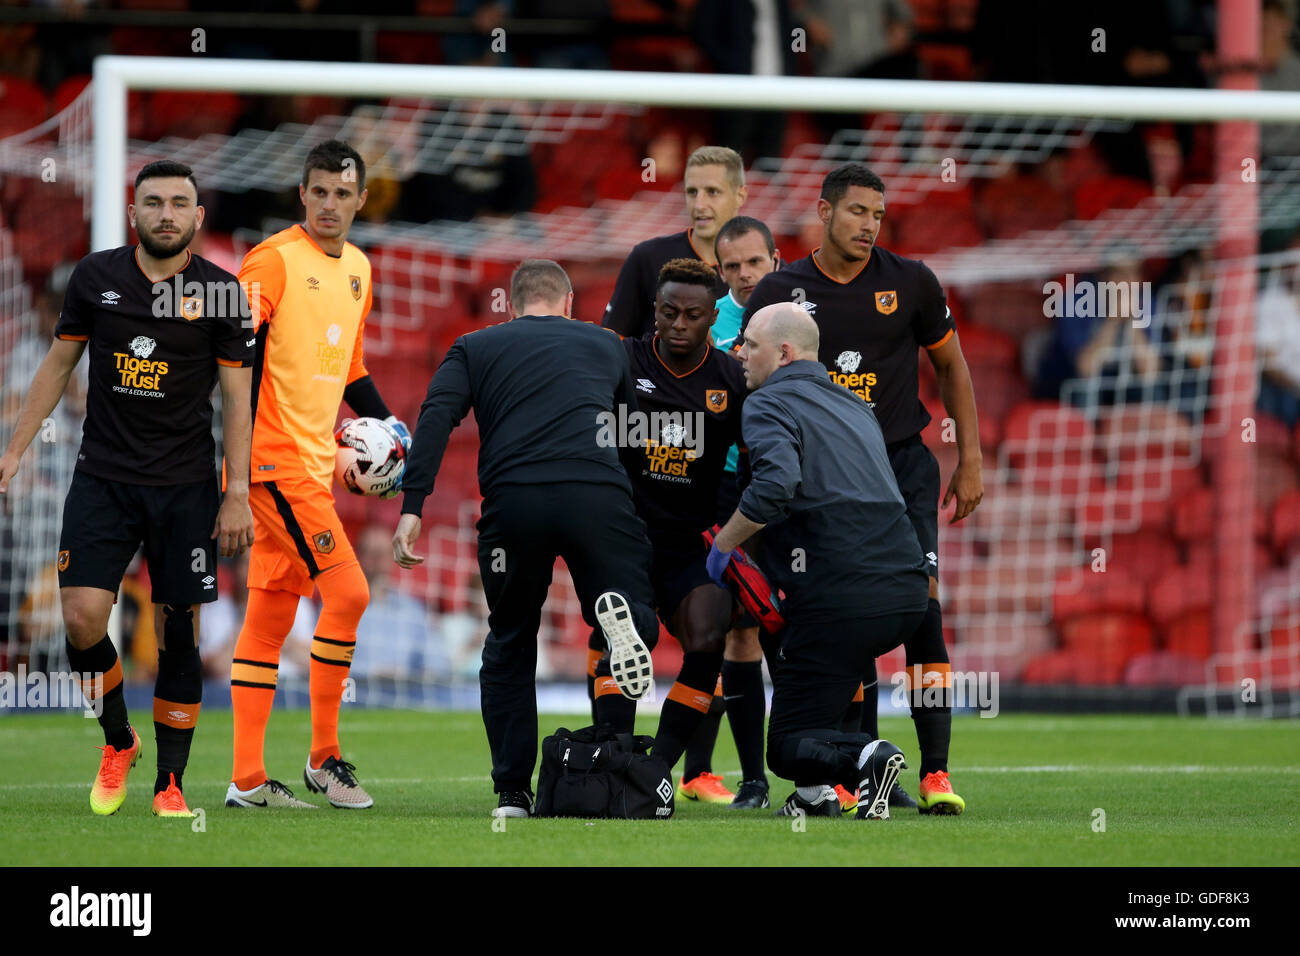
(309, 311)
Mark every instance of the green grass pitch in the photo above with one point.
(1173, 791)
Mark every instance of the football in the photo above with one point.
(370, 459)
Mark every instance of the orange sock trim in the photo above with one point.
(690, 697)
(606, 685)
(171, 713)
(267, 621)
(95, 686)
(717, 690)
(857, 698)
(929, 675)
(593, 658)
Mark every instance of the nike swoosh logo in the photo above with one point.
(733, 697)
(262, 804)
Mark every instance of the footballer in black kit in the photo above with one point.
(689, 396)
(163, 327)
(874, 309)
(713, 186)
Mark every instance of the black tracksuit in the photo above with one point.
(539, 387)
(838, 542)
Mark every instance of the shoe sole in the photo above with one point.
(235, 802)
(629, 658)
(941, 806)
(879, 808)
(317, 788)
(519, 812)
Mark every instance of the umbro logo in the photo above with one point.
(208, 582)
(809, 307)
(313, 283)
(250, 343)
(109, 298)
(665, 790)
(645, 385)
(932, 557)
(178, 715)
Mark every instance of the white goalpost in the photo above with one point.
(115, 76)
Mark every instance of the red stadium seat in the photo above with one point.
(1272, 434)
(1141, 556)
(69, 90)
(1070, 667)
(1012, 307)
(1180, 591)
(1112, 639)
(927, 230)
(1015, 204)
(49, 228)
(1275, 475)
(1083, 593)
(190, 114)
(1193, 515)
(1285, 524)
(1190, 634)
(1110, 192)
(1136, 499)
(981, 345)
(1164, 669)
(1051, 447)
(22, 105)
(1145, 433)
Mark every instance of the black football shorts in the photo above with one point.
(917, 473)
(105, 522)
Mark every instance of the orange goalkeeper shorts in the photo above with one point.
(297, 534)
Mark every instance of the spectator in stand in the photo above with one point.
(862, 38)
(1277, 342)
(480, 176)
(859, 38)
(1279, 71)
(396, 637)
(476, 48)
(752, 37)
(1113, 356)
(1183, 326)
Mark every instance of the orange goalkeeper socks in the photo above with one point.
(267, 622)
(344, 595)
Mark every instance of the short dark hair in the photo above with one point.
(165, 168)
(839, 179)
(334, 156)
(687, 272)
(538, 280)
(737, 226)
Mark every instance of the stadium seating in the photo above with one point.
(1163, 669)
(22, 105)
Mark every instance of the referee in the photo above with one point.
(838, 542)
(540, 386)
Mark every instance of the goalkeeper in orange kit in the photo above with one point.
(310, 291)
